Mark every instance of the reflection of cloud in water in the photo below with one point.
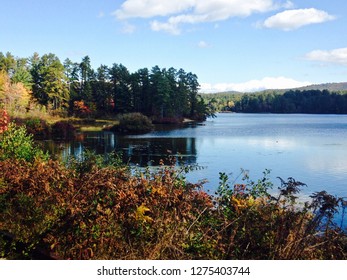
(244, 148)
(337, 165)
(270, 143)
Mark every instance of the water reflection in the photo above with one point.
(136, 151)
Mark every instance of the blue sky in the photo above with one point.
(242, 45)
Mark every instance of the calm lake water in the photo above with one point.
(310, 148)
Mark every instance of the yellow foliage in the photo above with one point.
(241, 203)
(238, 204)
(20, 94)
(251, 201)
(14, 96)
(4, 85)
(159, 190)
(141, 214)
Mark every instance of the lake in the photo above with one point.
(310, 148)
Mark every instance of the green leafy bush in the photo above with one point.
(133, 123)
(34, 125)
(16, 143)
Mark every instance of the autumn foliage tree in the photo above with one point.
(14, 96)
(80, 109)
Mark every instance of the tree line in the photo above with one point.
(77, 88)
(291, 101)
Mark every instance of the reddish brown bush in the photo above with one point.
(107, 213)
(4, 120)
(63, 129)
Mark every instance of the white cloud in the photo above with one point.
(193, 11)
(203, 44)
(151, 8)
(336, 56)
(165, 26)
(294, 19)
(288, 5)
(254, 85)
(128, 28)
(101, 14)
(172, 25)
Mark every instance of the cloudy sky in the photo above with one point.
(242, 45)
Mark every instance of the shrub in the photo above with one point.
(133, 123)
(4, 120)
(16, 143)
(34, 125)
(260, 226)
(102, 214)
(95, 211)
(168, 120)
(63, 129)
(33, 202)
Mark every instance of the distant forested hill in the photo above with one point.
(328, 98)
(327, 86)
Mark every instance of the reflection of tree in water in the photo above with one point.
(98, 142)
(151, 150)
(140, 151)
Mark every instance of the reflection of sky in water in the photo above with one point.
(317, 164)
(310, 148)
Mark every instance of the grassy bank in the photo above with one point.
(98, 209)
(133, 123)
